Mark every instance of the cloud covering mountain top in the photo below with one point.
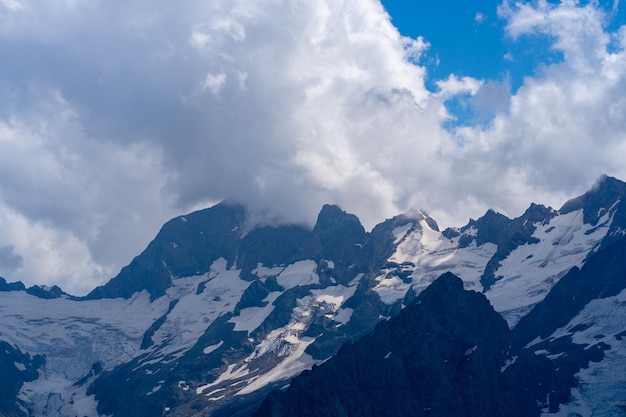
(115, 117)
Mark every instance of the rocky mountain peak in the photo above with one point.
(332, 220)
(185, 246)
(486, 229)
(188, 245)
(221, 308)
(11, 286)
(538, 213)
(41, 291)
(599, 200)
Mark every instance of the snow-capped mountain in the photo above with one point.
(447, 354)
(215, 313)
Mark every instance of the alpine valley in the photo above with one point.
(501, 317)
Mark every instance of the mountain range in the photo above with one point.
(219, 317)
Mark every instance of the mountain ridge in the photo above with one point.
(214, 314)
(443, 355)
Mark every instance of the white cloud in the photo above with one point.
(51, 255)
(564, 126)
(71, 207)
(454, 85)
(578, 30)
(213, 83)
(157, 109)
(116, 116)
(199, 40)
(12, 5)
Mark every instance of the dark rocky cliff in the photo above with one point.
(447, 354)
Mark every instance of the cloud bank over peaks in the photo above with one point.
(68, 202)
(116, 116)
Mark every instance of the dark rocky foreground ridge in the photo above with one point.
(450, 354)
(214, 315)
(446, 354)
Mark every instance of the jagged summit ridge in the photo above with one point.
(605, 193)
(214, 313)
(188, 245)
(40, 291)
(513, 261)
(493, 227)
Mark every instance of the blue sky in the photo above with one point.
(116, 116)
(466, 37)
(469, 38)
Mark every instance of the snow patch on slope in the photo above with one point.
(330, 300)
(212, 348)
(244, 377)
(601, 386)
(296, 362)
(300, 273)
(195, 312)
(400, 232)
(531, 270)
(422, 255)
(73, 336)
(252, 317)
(285, 343)
(391, 289)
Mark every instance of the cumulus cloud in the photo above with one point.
(564, 125)
(116, 116)
(9, 260)
(71, 207)
(453, 86)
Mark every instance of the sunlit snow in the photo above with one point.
(601, 386)
(212, 348)
(524, 277)
(299, 273)
(73, 335)
(531, 270)
(426, 254)
(252, 317)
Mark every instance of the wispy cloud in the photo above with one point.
(116, 116)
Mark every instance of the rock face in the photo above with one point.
(446, 354)
(449, 353)
(602, 276)
(216, 313)
(185, 246)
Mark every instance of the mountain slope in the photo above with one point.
(514, 262)
(581, 326)
(450, 353)
(216, 313)
(446, 354)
